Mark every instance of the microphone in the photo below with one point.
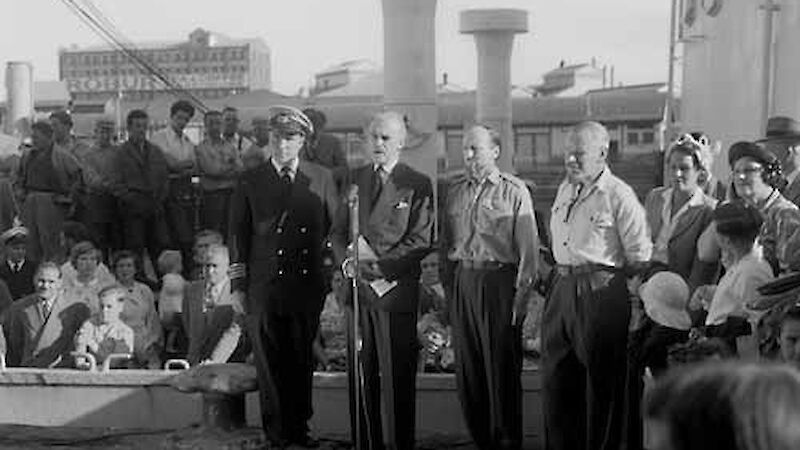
(352, 204)
(352, 195)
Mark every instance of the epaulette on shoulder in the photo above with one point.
(518, 182)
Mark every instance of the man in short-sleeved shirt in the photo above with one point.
(179, 152)
(490, 232)
(598, 228)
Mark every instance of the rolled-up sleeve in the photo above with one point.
(526, 239)
(632, 227)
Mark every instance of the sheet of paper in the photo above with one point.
(381, 287)
(365, 252)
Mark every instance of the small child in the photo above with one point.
(666, 321)
(105, 333)
(170, 302)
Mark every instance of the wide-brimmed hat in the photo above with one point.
(665, 296)
(782, 128)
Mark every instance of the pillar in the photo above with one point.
(786, 89)
(409, 71)
(494, 31)
(19, 95)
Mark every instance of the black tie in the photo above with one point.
(377, 183)
(286, 175)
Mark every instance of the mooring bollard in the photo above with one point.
(224, 387)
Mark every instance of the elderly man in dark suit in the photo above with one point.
(40, 329)
(280, 218)
(396, 219)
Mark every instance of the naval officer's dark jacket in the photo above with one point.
(398, 226)
(280, 235)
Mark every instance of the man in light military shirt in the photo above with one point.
(599, 234)
(490, 233)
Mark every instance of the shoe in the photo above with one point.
(306, 441)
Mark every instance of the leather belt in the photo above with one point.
(583, 269)
(484, 265)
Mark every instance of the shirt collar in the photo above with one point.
(792, 176)
(773, 197)
(388, 168)
(695, 200)
(292, 166)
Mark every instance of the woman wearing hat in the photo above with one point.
(757, 179)
(678, 213)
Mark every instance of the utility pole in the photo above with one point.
(770, 7)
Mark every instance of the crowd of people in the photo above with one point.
(128, 254)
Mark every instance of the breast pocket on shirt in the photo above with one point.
(493, 215)
(601, 220)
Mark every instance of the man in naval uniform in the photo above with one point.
(280, 217)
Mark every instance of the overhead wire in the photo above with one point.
(106, 29)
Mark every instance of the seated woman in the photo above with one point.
(678, 214)
(139, 312)
(88, 281)
(737, 225)
(71, 234)
(212, 314)
(105, 333)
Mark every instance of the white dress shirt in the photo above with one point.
(603, 223)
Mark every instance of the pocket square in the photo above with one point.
(402, 205)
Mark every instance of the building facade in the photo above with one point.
(208, 65)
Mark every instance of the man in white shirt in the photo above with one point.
(179, 152)
(599, 232)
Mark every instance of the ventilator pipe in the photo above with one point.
(115, 357)
(182, 363)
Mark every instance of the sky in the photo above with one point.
(306, 36)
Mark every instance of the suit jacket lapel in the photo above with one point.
(685, 221)
(655, 214)
(793, 191)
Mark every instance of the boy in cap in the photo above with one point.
(737, 225)
(283, 208)
(17, 270)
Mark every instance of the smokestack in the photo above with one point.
(19, 95)
(611, 77)
(605, 74)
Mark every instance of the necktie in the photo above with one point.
(45, 308)
(286, 174)
(378, 179)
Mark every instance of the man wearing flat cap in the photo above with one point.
(101, 215)
(281, 213)
(783, 140)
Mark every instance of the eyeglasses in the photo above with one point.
(748, 171)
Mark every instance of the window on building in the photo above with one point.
(524, 151)
(648, 137)
(633, 138)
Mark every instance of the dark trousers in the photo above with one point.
(389, 366)
(285, 366)
(488, 353)
(180, 218)
(145, 233)
(584, 340)
(216, 209)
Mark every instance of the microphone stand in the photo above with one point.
(353, 273)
